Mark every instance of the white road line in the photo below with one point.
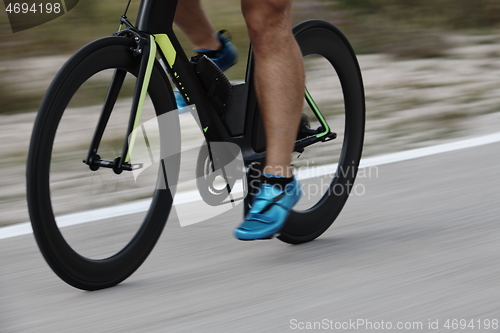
(192, 196)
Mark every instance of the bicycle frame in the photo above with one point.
(244, 119)
(153, 58)
(242, 124)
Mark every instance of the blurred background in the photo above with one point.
(431, 70)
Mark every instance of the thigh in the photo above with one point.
(264, 14)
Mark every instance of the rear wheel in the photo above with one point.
(96, 226)
(326, 170)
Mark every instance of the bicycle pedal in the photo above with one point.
(330, 136)
(136, 166)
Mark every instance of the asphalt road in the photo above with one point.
(419, 247)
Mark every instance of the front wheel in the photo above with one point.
(96, 225)
(335, 97)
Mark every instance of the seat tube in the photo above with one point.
(156, 16)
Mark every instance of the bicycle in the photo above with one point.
(145, 61)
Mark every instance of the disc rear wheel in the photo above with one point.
(334, 108)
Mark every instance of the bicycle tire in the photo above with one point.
(326, 42)
(77, 269)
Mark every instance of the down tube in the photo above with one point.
(142, 96)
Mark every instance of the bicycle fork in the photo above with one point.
(146, 48)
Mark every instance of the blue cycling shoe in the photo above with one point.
(270, 209)
(224, 58)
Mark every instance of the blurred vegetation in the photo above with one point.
(414, 28)
(403, 28)
(92, 19)
(446, 13)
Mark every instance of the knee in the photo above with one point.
(267, 20)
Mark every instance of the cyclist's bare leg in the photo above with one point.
(279, 77)
(277, 60)
(192, 20)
